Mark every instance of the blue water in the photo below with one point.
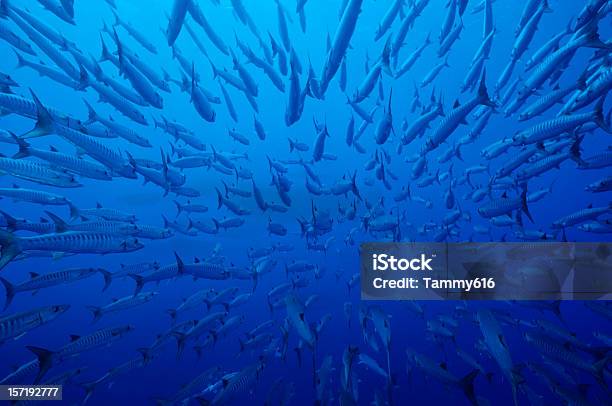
(165, 374)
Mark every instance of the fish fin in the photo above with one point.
(483, 95)
(139, 283)
(96, 312)
(9, 289)
(10, 247)
(108, 278)
(467, 384)
(60, 225)
(45, 360)
(179, 264)
(44, 121)
(598, 115)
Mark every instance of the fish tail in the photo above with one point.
(172, 314)
(84, 78)
(96, 312)
(467, 384)
(483, 94)
(598, 116)
(91, 113)
(517, 379)
(179, 264)
(524, 206)
(119, 52)
(11, 222)
(178, 208)
(45, 360)
(139, 283)
(255, 280)
(108, 278)
(599, 367)
(10, 247)
(146, 354)
(105, 55)
(20, 61)
(180, 343)
(219, 198)
(60, 225)
(593, 40)
(89, 388)
(44, 121)
(354, 187)
(575, 150)
(74, 211)
(9, 290)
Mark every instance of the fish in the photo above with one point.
(71, 242)
(79, 344)
(497, 347)
(37, 281)
(198, 16)
(16, 325)
(176, 19)
(340, 42)
(121, 304)
(440, 372)
(200, 101)
(458, 115)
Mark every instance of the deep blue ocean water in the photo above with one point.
(165, 374)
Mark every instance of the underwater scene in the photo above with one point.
(186, 185)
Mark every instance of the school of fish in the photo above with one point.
(225, 170)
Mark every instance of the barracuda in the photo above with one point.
(169, 271)
(118, 228)
(551, 161)
(204, 325)
(18, 324)
(36, 173)
(122, 131)
(78, 345)
(139, 82)
(72, 163)
(10, 37)
(457, 116)
(37, 281)
(601, 160)
(547, 101)
(53, 53)
(407, 23)
(581, 216)
(13, 224)
(44, 70)
(597, 88)
(71, 242)
(46, 125)
(505, 205)
(107, 95)
(515, 162)
(554, 127)
(340, 43)
(121, 304)
(557, 59)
